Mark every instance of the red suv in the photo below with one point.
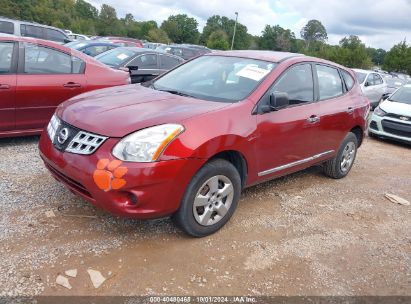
(37, 75)
(187, 143)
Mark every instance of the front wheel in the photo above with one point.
(210, 199)
(341, 164)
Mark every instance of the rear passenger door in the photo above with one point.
(46, 78)
(336, 105)
(8, 66)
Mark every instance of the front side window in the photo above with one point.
(298, 83)
(329, 82)
(377, 79)
(32, 31)
(360, 76)
(208, 78)
(168, 62)
(6, 56)
(42, 60)
(95, 50)
(370, 80)
(6, 27)
(55, 35)
(146, 62)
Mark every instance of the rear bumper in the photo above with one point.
(151, 190)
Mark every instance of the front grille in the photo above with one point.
(68, 138)
(373, 125)
(70, 182)
(85, 143)
(396, 128)
(397, 116)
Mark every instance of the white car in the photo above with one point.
(77, 37)
(392, 118)
(372, 85)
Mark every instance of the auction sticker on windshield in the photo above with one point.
(122, 56)
(253, 72)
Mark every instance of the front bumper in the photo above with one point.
(151, 190)
(390, 127)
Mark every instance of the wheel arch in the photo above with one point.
(359, 133)
(238, 160)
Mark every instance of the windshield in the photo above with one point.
(360, 76)
(116, 57)
(216, 78)
(402, 95)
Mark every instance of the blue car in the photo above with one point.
(91, 48)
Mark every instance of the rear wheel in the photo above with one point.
(341, 164)
(210, 199)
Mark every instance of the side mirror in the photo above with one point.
(279, 101)
(66, 40)
(366, 84)
(132, 69)
(385, 97)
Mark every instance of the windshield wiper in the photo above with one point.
(175, 92)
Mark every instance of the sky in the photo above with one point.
(379, 23)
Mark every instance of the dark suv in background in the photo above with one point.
(30, 29)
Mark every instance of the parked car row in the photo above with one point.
(37, 75)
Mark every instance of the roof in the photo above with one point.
(32, 23)
(261, 55)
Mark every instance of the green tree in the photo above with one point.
(314, 30)
(398, 59)
(218, 40)
(357, 56)
(276, 38)
(181, 29)
(214, 23)
(157, 35)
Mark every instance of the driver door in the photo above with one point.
(287, 137)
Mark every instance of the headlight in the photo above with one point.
(53, 126)
(379, 112)
(146, 145)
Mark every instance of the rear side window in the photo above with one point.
(6, 56)
(329, 82)
(42, 60)
(168, 62)
(298, 83)
(349, 81)
(6, 27)
(32, 31)
(55, 35)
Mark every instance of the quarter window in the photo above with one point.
(329, 82)
(298, 83)
(6, 55)
(6, 27)
(349, 81)
(41, 60)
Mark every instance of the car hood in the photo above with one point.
(398, 108)
(118, 111)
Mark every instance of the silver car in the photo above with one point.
(372, 85)
(34, 30)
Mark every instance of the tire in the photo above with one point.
(205, 208)
(334, 167)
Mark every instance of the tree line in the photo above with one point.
(80, 16)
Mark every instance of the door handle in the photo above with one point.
(71, 85)
(313, 119)
(4, 86)
(350, 110)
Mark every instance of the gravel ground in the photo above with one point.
(303, 234)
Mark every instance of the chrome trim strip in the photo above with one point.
(296, 163)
